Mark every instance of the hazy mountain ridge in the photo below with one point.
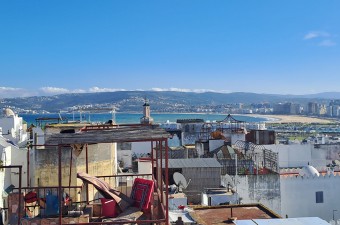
(160, 101)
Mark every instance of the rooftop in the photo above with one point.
(288, 221)
(109, 135)
(221, 214)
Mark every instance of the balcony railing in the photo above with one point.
(76, 209)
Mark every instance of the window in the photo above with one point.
(319, 196)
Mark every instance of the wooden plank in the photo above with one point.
(123, 134)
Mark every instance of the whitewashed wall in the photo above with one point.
(19, 157)
(324, 154)
(298, 196)
(264, 189)
(293, 155)
(236, 137)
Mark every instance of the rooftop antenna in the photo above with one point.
(180, 181)
(228, 182)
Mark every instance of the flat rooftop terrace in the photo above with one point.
(222, 214)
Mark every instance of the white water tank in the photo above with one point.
(8, 112)
(309, 171)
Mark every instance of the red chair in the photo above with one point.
(141, 193)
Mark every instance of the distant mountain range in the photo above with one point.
(167, 101)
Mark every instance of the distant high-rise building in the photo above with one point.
(312, 108)
(287, 108)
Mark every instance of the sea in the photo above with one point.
(133, 118)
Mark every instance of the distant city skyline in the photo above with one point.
(55, 47)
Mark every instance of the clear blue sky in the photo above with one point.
(282, 47)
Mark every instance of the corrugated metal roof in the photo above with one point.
(194, 163)
(288, 221)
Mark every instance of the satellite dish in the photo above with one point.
(227, 181)
(180, 181)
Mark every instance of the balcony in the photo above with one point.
(78, 202)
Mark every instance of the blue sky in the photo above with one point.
(279, 47)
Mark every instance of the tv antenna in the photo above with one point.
(228, 182)
(180, 181)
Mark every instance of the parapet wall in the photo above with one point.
(310, 196)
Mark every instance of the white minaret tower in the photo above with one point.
(146, 119)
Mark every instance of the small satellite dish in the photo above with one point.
(227, 181)
(180, 181)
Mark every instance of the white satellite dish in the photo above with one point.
(180, 181)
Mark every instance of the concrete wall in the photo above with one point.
(293, 155)
(201, 177)
(237, 137)
(298, 155)
(44, 162)
(12, 155)
(14, 125)
(19, 157)
(324, 154)
(264, 189)
(38, 136)
(298, 196)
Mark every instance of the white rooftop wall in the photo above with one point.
(293, 155)
(298, 196)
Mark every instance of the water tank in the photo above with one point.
(8, 112)
(309, 171)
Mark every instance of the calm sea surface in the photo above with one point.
(124, 118)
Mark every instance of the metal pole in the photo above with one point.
(19, 213)
(59, 183)
(28, 167)
(87, 171)
(236, 172)
(166, 181)
(69, 181)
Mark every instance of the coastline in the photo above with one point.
(291, 119)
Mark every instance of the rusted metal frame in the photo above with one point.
(123, 222)
(161, 168)
(166, 181)
(69, 180)
(157, 173)
(28, 166)
(19, 214)
(60, 178)
(87, 171)
(152, 171)
(108, 126)
(59, 184)
(47, 187)
(159, 195)
(128, 175)
(20, 177)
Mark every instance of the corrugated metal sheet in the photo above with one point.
(194, 163)
(288, 221)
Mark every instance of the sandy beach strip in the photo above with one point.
(291, 119)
